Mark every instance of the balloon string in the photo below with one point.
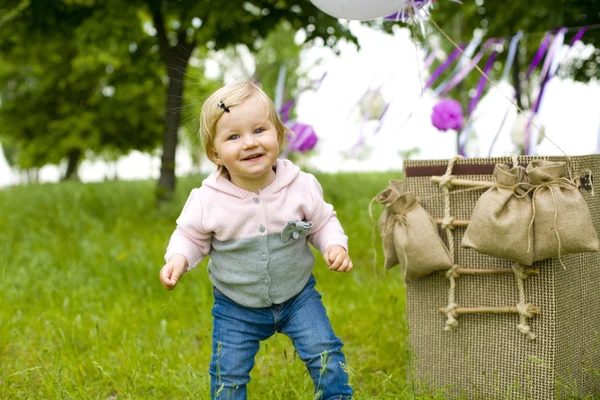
(489, 80)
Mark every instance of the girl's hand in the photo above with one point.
(172, 271)
(337, 259)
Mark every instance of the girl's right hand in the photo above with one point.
(172, 271)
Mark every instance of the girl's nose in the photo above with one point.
(249, 141)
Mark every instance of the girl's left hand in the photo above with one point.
(337, 259)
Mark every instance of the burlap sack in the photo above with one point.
(562, 223)
(418, 246)
(386, 222)
(500, 223)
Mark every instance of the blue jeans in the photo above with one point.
(238, 330)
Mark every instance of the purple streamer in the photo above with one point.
(285, 110)
(539, 54)
(436, 74)
(465, 71)
(387, 106)
(578, 35)
(512, 51)
(546, 75)
(479, 91)
(481, 83)
(429, 59)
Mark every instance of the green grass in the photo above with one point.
(84, 316)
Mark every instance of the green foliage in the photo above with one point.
(277, 50)
(197, 88)
(73, 77)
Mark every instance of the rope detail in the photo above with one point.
(448, 222)
(451, 274)
(525, 309)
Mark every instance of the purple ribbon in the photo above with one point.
(285, 110)
(546, 75)
(464, 134)
(387, 106)
(578, 35)
(482, 82)
(465, 71)
(539, 54)
(429, 59)
(439, 70)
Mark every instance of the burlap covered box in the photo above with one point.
(547, 355)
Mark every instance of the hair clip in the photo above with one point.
(223, 106)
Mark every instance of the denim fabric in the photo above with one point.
(238, 330)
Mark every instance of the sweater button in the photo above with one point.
(261, 228)
(266, 281)
(256, 200)
(263, 257)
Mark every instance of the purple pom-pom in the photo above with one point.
(304, 138)
(447, 114)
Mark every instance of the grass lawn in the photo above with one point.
(84, 316)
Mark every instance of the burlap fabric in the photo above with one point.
(562, 223)
(500, 223)
(417, 244)
(485, 356)
(385, 197)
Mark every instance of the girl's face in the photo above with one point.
(246, 144)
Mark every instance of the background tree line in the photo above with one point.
(99, 78)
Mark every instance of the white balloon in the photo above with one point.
(359, 9)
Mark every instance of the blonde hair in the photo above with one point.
(232, 95)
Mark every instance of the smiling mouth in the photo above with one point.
(253, 157)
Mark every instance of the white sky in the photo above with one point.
(570, 114)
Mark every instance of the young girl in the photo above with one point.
(254, 216)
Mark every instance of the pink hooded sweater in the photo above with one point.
(259, 254)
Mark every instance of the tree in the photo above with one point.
(179, 28)
(183, 26)
(77, 78)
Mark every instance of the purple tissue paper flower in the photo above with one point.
(447, 114)
(304, 138)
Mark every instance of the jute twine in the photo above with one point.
(524, 308)
(451, 274)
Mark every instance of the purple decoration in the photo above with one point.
(539, 54)
(447, 114)
(304, 138)
(436, 74)
(285, 110)
(481, 83)
(456, 79)
(545, 76)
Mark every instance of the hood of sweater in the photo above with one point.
(285, 173)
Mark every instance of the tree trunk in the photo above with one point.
(73, 163)
(176, 58)
(176, 72)
(516, 71)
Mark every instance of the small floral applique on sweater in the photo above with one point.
(295, 229)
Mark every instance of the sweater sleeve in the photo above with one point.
(327, 229)
(189, 238)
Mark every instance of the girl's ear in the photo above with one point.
(217, 159)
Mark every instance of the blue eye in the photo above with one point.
(233, 137)
(259, 130)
